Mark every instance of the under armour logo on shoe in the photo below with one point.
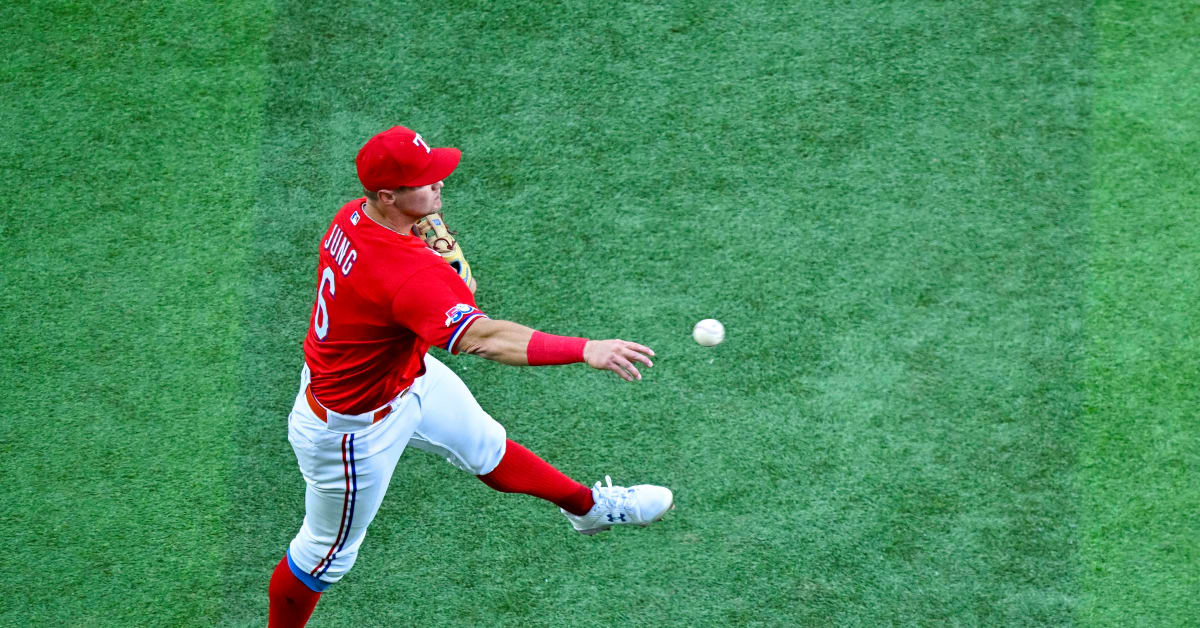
(620, 516)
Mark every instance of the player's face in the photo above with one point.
(420, 201)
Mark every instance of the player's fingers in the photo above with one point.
(634, 355)
(627, 367)
(620, 372)
(639, 348)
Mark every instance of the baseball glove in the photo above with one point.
(437, 236)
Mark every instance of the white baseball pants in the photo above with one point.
(347, 474)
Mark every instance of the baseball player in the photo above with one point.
(369, 388)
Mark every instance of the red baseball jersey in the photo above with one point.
(383, 298)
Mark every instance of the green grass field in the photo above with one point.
(953, 244)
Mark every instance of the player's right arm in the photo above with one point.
(436, 305)
(515, 344)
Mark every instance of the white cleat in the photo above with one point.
(615, 505)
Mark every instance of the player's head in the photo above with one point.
(399, 158)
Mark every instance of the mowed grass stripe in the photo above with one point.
(1141, 451)
(130, 137)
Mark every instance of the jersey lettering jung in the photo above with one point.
(339, 247)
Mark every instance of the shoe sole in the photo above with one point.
(595, 531)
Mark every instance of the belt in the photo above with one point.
(323, 414)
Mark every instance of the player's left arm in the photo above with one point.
(515, 344)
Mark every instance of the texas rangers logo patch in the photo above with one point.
(456, 313)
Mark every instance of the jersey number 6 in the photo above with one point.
(321, 316)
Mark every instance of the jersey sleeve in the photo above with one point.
(437, 306)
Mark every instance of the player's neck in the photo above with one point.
(394, 221)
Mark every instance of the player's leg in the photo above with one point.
(454, 426)
(346, 477)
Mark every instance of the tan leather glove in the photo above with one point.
(437, 236)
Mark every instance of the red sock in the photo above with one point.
(521, 471)
(292, 602)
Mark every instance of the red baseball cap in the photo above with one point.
(399, 157)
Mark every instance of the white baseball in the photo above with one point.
(709, 332)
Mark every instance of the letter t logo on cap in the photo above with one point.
(420, 141)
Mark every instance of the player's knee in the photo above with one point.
(338, 568)
(487, 450)
(495, 453)
(316, 564)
